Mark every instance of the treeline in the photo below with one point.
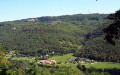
(65, 18)
(27, 68)
(98, 71)
(62, 34)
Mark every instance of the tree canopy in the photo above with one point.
(113, 30)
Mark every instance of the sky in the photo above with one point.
(21, 9)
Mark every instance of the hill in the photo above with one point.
(61, 34)
(97, 48)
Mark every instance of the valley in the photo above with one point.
(62, 45)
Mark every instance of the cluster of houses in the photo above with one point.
(48, 62)
(82, 60)
(85, 60)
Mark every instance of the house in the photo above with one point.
(47, 62)
(47, 55)
(53, 61)
(43, 61)
(69, 59)
(81, 61)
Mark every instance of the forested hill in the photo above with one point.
(97, 48)
(65, 18)
(61, 34)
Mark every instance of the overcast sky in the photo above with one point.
(22, 9)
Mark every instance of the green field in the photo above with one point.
(103, 65)
(63, 58)
(67, 65)
(88, 65)
(23, 58)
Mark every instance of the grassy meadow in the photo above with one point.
(63, 58)
(103, 65)
(21, 58)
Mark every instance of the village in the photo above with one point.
(47, 59)
(48, 62)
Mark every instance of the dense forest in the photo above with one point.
(61, 34)
(97, 48)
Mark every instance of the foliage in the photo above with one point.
(61, 34)
(2, 52)
(3, 62)
(81, 67)
(113, 30)
(96, 47)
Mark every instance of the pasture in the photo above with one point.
(103, 65)
(63, 58)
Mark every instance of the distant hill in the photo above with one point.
(42, 35)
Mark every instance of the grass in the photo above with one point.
(104, 65)
(63, 58)
(23, 58)
(67, 65)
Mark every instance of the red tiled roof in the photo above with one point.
(52, 60)
(48, 62)
(43, 61)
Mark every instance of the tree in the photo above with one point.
(79, 66)
(3, 62)
(113, 30)
(2, 52)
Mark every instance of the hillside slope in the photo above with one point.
(98, 49)
(61, 34)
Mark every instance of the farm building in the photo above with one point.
(47, 62)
